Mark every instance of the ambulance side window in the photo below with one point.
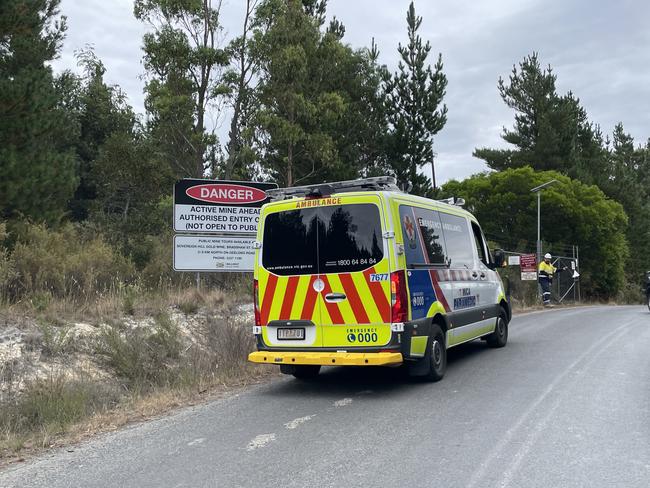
(481, 246)
(458, 240)
(421, 226)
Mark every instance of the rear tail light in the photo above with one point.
(398, 297)
(256, 303)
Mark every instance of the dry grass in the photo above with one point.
(115, 304)
(148, 368)
(16, 447)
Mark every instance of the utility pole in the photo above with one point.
(433, 171)
(538, 190)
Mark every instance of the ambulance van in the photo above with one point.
(358, 273)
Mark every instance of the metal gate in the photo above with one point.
(566, 283)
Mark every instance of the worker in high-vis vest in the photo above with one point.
(545, 274)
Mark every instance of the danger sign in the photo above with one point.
(218, 207)
(528, 264)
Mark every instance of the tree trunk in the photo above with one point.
(234, 144)
(290, 165)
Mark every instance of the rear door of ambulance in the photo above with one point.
(354, 266)
(325, 267)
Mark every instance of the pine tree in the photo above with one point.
(37, 162)
(414, 97)
(101, 110)
(551, 132)
(629, 184)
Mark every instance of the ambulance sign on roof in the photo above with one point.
(218, 207)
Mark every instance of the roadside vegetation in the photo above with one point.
(63, 377)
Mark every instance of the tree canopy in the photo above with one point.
(573, 212)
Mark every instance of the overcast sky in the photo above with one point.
(599, 49)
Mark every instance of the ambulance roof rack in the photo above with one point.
(378, 183)
(458, 202)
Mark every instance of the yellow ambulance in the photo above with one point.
(359, 273)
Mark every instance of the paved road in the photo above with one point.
(565, 404)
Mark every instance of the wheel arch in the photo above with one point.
(441, 321)
(506, 307)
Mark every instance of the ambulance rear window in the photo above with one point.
(332, 239)
(289, 245)
(350, 238)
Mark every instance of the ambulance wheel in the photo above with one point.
(499, 337)
(306, 372)
(648, 301)
(436, 355)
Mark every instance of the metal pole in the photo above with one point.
(433, 172)
(539, 242)
(559, 276)
(538, 190)
(573, 255)
(578, 270)
(198, 280)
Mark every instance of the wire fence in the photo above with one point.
(524, 288)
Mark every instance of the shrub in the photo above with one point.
(54, 403)
(7, 268)
(189, 300)
(130, 295)
(141, 355)
(229, 343)
(55, 341)
(64, 263)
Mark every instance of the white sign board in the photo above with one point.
(528, 276)
(213, 253)
(513, 260)
(222, 219)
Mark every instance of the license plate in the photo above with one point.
(291, 334)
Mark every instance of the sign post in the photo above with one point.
(218, 224)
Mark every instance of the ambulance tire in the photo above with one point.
(436, 355)
(306, 372)
(499, 337)
(648, 300)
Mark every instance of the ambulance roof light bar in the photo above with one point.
(378, 183)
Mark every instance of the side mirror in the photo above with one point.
(499, 258)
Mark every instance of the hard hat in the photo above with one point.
(547, 256)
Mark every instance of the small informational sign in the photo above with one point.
(513, 260)
(528, 264)
(218, 207)
(213, 253)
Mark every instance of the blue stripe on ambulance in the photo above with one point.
(422, 292)
(419, 280)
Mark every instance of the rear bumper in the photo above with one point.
(328, 358)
